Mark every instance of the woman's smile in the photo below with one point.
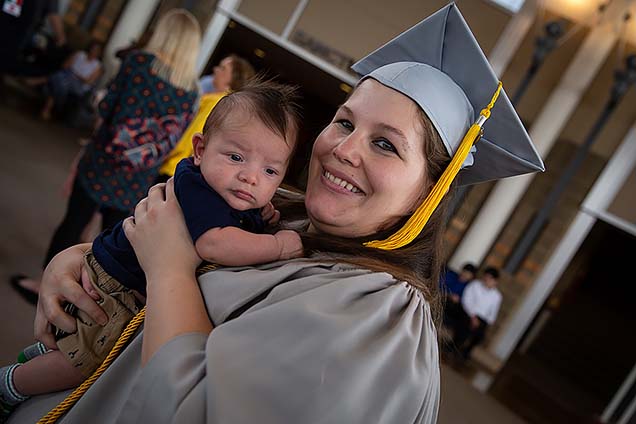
(341, 184)
(367, 167)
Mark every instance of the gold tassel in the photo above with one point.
(420, 217)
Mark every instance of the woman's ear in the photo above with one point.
(198, 145)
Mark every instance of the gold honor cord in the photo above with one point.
(55, 413)
(132, 327)
(420, 217)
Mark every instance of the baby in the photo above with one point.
(224, 191)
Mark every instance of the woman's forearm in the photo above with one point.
(174, 306)
(233, 246)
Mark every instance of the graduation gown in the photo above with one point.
(294, 342)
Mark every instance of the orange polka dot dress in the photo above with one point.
(143, 118)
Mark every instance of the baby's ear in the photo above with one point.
(198, 145)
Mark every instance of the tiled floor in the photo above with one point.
(34, 161)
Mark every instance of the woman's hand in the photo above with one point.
(60, 284)
(166, 254)
(159, 236)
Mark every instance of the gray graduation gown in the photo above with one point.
(294, 342)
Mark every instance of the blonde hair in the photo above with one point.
(175, 42)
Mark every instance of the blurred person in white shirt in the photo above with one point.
(480, 304)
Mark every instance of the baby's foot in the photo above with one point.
(31, 352)
(5, 411)
(9, 395)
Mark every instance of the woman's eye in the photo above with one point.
(270, 171)
(236, 158)
(345, 124)
(385, 145)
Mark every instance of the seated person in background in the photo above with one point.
(19, 22)
(480, 305)
(224, 192)
(77, 77)
(453, 287)
(231, 74)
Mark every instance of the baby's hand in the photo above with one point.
(289, 244)
(270, 215)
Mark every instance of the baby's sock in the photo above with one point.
(31, 352)
(9, 395)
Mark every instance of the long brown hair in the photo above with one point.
(420, 262)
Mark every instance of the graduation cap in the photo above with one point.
(439, 65)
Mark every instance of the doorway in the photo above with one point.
(573, 365)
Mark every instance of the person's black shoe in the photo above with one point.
(26, 294)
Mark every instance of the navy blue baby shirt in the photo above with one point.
(203, 209)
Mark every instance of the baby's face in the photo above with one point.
(244, 161)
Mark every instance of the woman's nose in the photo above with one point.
(349, 150)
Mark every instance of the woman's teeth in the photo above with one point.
(341, 183)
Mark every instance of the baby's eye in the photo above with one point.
(346, 124)
(271, 171)
(235, 157)
(385, 144)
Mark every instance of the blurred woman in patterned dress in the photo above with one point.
(148, 106)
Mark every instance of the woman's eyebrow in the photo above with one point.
(382, 126)
(392, 130)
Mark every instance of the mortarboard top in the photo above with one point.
(439, 65)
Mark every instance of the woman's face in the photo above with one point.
(223, 75)
(367, 167)
(95, 51)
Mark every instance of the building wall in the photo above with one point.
(273, 15)
(461, 220)
(549, 74)
(624, 205)
(515, 286)
(357, 27)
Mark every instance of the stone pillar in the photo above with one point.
(598, 200)
(544, 133)
(512, 36)
(130, 26)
